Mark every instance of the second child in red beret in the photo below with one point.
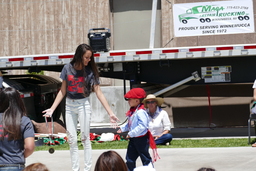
(137, 128)
(135, 93)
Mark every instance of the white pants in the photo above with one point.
(79, 110)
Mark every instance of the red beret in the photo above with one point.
(135, 93)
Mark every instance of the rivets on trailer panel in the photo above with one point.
(189, 54)
(110, 58)
(33, 63)
(59, 61)
(9, 64)
(136, 57)
(162, 56)
(244, 52)
(216, 53)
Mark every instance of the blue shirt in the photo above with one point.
(1, 82)
(137, 124)
(13, 151)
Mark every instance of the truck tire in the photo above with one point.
(184, 21)
(241, 18)
(246, 17)
(202, 20)
(208, 20)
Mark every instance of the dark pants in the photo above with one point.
(138, 146)
(164, 139)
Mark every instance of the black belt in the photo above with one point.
(12, 165)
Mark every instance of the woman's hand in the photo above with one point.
(113, 121)
(48, 113)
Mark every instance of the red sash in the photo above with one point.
(152, 144)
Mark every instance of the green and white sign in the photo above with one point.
(211, 18)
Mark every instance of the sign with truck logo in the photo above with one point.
(215, 17)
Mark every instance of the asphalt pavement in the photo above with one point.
(171, 159)
(174, 159)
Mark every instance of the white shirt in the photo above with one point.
(159, 123)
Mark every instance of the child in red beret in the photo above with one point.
(137, 128)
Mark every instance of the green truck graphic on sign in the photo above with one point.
(208, 13)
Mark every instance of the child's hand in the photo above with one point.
(119, 131)
(113, 121)
(156, 137)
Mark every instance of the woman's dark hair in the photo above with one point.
(13, 109)
(110, 161)
(78, 58)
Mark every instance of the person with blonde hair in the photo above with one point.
(36, 167)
